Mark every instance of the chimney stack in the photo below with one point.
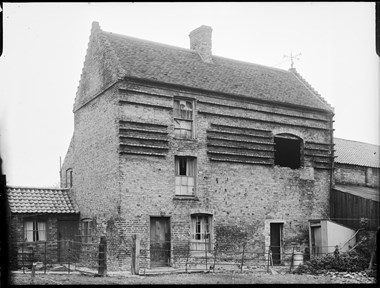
(200, 41)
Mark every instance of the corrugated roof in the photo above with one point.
(173, 65)
(40, 200)
(365, 192)
(356, 153)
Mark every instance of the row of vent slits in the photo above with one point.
(240, 145)
(319, 154)
(143, 139)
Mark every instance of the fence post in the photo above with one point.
(215, 251)
(22, 257)
(206, 250)
(187, 256)
(45, 258)
(242, 258)
(269, 255)
(102, 265)
(291, 262)
(135, 263)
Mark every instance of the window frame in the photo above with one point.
(180, 178)
(86, 230)
(36, 232)
(205, 232)
(69, 178)
(180, 119)
(278, 153)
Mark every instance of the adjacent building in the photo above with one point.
(356, 190)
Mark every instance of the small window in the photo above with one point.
(183, 118)
(287, 151)
(34, 231)
(185, 175)
(69, 178)
(86, 230)
(201, 232)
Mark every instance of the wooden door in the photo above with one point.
(275, 242)
(67, 229)
(159, 241)
(316, 240)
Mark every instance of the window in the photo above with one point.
(287, 151)
(69, 178)
(183, 118)
(34, 231)
(185, 175)
(86, 230)
(201, 232)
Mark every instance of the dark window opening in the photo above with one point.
(287, 151)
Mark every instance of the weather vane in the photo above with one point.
(292, 57)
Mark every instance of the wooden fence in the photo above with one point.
(348, 209)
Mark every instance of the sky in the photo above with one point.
(45, 46)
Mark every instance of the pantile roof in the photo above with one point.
(365, 192)
(356, 153)
(40, 200)
(149, 60)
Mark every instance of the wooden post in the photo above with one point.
(215, 251)
(45, 259)
(135, 263)
(291, 262)
(102, 265)
(206, 251)
(187, 256)
(242, 258)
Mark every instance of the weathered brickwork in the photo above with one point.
(124, 152)
(356, 175)
(43, 251)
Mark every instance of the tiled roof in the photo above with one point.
(365, 192)
(356, 153)
(40, 200)
(149, 60)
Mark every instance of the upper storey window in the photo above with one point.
(288, 151)
(183, 118)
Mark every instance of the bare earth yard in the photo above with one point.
(194, 278)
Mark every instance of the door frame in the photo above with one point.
(170, 239)
(281, 238)
(59, 223)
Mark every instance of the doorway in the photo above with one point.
(159, 241)
(316, 241)
(276, 242)
(67, 230)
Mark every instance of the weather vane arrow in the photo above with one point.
(292, 58)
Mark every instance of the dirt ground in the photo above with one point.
(193, 278)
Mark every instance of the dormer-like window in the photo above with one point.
(183, 118)
(288, 151)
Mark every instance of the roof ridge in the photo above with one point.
(296, 74)
(39, 188)
(193, 51)
(356, 141)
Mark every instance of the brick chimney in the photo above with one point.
(200, 41)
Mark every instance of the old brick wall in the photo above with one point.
(241, 197)
(356, 175)
(18, 244)
(96, 162)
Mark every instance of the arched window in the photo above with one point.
(288, 151)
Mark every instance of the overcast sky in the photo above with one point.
(45, 46)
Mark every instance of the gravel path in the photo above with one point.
(194, 278)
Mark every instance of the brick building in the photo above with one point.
(41, 222)
(356, 190)
(178, 144)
